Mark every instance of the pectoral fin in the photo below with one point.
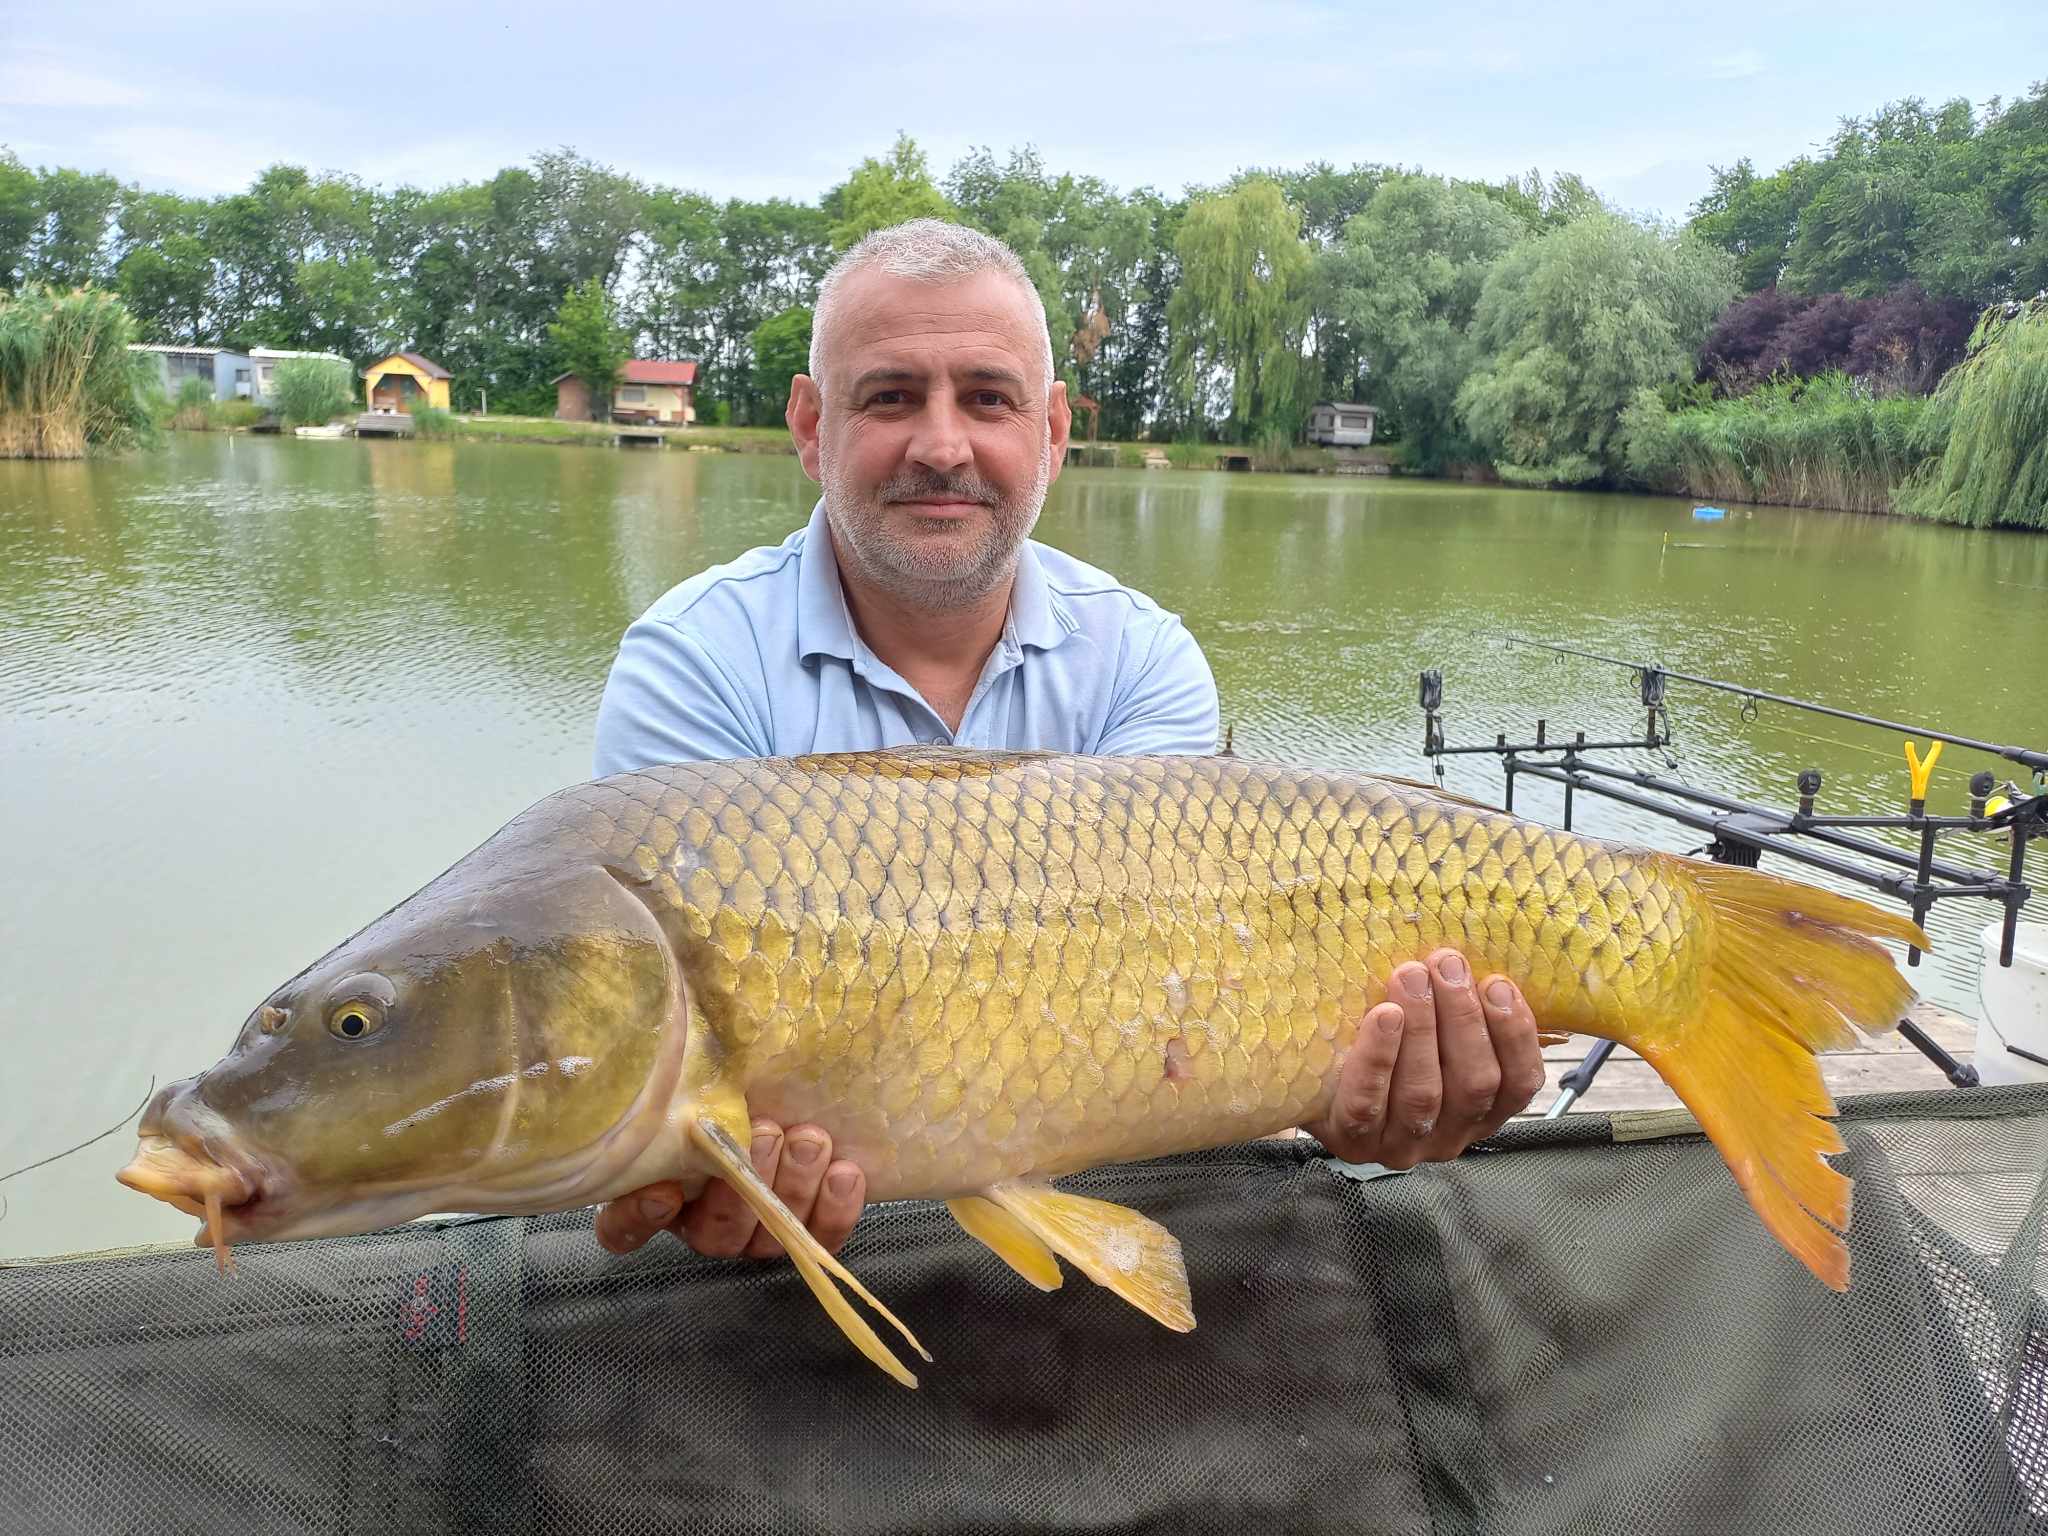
(1110, 1244)
(817, 1266)
(1009, 1239)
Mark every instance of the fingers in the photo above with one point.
(1358, 1112)
(719, 1223)
(1415, 1097)
(1519, 1053)
(805, 1152)
(839, 1206)
(1466, 1057)
(630, 1220)
(825, 1195)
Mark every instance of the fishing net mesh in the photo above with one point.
(1557, 1333)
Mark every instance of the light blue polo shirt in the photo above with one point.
(759, 658)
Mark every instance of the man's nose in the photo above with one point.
(940, 440)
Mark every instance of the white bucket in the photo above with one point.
(2012, 1014)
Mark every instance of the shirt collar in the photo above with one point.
(824, 627)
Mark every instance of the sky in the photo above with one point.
(766, 99)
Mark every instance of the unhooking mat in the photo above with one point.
(1557, 1333)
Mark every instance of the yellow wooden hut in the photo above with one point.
(403, 380)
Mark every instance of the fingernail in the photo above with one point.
(764, 1148)
(805, 1152)
(1452, 969)
(1500, 995)
(656, 1211)
(1416, 983)
(1389, 1018)
(840, 1183)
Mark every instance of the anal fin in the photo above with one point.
(1008, 1239)
(818, 1267)
(1111, 1244)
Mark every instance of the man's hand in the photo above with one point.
(1438, 1066)
(824, 1195)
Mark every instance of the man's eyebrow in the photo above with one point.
(986, 373)
(891, 375)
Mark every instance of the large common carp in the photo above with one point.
(979, 971)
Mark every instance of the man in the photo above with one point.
(914, 608)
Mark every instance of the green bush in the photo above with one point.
(432, 421)
(192, 410)
(237, 415)
(310, 390)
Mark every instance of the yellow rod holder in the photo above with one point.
(1921, 769)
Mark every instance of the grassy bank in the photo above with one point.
(434, 425)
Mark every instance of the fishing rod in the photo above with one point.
(1739, 831)
(2038, 761)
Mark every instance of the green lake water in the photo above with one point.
(253, 691)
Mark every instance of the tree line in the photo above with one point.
(1513, 322)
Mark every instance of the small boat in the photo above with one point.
(332, 429)
(1706, 514)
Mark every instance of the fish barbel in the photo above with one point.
(980, 971)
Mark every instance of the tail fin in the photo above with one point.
(1789, 969)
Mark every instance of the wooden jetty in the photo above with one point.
(631, 434)
(384, 424)
(1886, 1064)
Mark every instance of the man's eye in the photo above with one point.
(989, 398)
(886, 397)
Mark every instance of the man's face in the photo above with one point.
(935, 439)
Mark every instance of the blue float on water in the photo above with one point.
(1708, 514)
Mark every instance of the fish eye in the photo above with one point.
(352, 1021)
(362, 1002)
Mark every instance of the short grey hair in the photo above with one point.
(925, 251)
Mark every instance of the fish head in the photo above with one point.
(494, 1043)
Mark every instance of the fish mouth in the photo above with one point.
(225, 1192)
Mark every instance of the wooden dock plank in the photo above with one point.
(1888, 1063)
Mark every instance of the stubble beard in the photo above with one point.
(905, 565)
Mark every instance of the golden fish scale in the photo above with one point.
(971, 968)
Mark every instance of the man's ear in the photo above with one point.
(803, 412)
(1059, 418)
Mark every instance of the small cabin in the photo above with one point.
(650, 391)
(404, 380)
(1344, 425)
(225, 374)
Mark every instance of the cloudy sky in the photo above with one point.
(782, 99)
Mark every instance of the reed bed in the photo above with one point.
(67, 379)
(1821, 442)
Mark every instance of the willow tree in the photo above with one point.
(1993, 407)
(1572, 328)
(1241, 309)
